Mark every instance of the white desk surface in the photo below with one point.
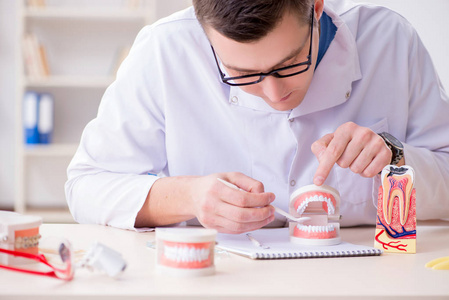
(389, 276)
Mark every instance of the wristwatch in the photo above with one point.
(396, 147)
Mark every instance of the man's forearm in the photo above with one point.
(168, 202)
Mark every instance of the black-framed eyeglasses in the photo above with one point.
(283, 72)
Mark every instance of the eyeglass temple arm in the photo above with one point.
(311, 32)
(49, 273)
(40, 258)
(216, 61)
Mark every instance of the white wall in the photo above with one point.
(8, 56)
(429, 17)
(431, 20)
(7, 94)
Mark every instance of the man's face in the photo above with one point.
(286, 45)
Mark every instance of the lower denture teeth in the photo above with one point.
(311, 228)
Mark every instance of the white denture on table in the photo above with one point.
(185, 251)
(321, 205)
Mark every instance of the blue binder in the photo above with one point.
(45, 119)
(30, 117)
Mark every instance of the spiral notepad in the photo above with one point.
(275, 244)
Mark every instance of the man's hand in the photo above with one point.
(229, 210)
(180, 198)
(351, 146)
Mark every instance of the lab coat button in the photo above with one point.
(348, 94)
(235, 99)
(292, 183)
(291, 120)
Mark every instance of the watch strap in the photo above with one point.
(397, 151)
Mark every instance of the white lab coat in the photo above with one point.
(168, 113)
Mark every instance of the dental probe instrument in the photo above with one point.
(256, 242)
(277, 209)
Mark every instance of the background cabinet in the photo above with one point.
(84, 41)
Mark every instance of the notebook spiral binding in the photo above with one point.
(262, 255)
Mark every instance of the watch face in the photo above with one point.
(394, 141)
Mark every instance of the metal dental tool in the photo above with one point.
(277, 209)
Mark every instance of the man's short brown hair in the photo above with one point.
(248, 20)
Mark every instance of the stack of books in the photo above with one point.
(35, 58)
(36, 3)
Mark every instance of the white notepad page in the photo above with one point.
(278, 241)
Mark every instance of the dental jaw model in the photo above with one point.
(322, 205)
(185, 251)
(396, 211)
(18, 233)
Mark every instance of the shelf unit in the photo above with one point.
(99, 82)
(82, 40)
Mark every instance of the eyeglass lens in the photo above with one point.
(282, 73)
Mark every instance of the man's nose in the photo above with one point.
(273, 88)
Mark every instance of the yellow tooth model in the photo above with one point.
(441, 263)
(396, 211)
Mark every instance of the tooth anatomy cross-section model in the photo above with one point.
(396, 211)
(322, 205)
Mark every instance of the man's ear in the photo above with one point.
(319, 7)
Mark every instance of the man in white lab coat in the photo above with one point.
(270, 96)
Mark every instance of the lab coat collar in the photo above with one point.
(340, 67)
(240, 98)
(337, 70)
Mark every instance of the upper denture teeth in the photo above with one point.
(186, 254)
(305, 203)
